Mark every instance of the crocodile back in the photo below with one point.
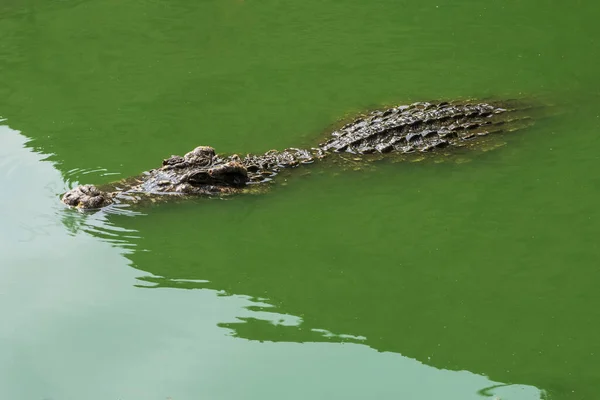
(425, 127)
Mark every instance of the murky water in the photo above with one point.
(454, 280)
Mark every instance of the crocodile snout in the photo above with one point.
(87, 197)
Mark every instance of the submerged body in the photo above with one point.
(419, 127)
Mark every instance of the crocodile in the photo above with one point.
(423, 127)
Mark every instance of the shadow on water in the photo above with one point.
(292, 301)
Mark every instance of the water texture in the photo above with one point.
(467, 279)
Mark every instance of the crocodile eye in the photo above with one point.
(199, 177)
(239, 180)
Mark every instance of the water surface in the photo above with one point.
(417, 280)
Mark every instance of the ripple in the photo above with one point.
(73, 176)
(99, 225)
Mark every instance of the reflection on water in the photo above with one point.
(76, 323)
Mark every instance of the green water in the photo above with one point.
(407, 281)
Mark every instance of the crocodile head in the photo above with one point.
(199, 172)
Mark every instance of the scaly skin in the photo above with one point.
(419, 127)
